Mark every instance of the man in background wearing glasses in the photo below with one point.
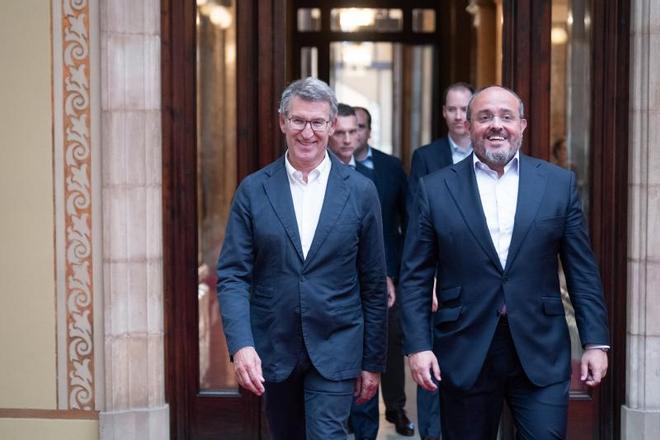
(301, 277)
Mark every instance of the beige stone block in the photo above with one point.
(138, 369)
(132, 144)
(651, 359)
(653, 150)
(131, 16)
(637, 200)
(156, 370)
(135, 148)
(115, 223)
(112, 128)
(652, 304)
(653, 222)
(152, 73)
(135, 424)
(117, 373)
(634, 378)
(637, 147)
(154, 222)
(154, 270)
(636, 293)
(653, 61)
(132, 64)
(639, 424)
(643, 364)
(137, 298)
(136, 223)
(116, 299)
(153, 141)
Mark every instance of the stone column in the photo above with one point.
(641, 412)
(135, 405)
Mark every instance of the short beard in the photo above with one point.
(500, 157)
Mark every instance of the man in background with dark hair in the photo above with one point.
(390, 179)
(426, 159)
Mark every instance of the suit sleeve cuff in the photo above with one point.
(597, 346)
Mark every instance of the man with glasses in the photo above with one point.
(301, 277)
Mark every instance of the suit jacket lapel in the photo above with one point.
(444, 153)
(531, 185)
(336, 195)
(279, 194)
(464, 189)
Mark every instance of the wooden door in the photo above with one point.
(221, 81)
(264, 54)
(601, 89)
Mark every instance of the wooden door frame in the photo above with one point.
(263, 62)
(526, 69)
(258, 142)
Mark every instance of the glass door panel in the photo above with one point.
(394, 82)
(216, 176)
(570, 122)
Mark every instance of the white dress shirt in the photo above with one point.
(499, 197)
(458, 153)
(308, 198)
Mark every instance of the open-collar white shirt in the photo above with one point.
(458, 153)
(499, 197)
(308, 198)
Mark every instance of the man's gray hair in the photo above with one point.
(521, 106)
(311, 90)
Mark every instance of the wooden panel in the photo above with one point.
(261, 72)
(526, 67)
(609, 203)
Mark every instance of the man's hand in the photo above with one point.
(391, 292)
(247, 367)
(421, 365)
(593, 366)
(366, 386)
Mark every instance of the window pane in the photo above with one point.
(309, 62)
(309, 19)
(366, 19)
(216, 176)
(394, 82)
(423, 20)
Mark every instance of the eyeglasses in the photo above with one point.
(299, 124)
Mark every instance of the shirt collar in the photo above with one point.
(294, 174)
(457, 149)
(513, 165)
(352, 162)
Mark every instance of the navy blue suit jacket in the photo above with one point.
(334, 301)
(391, 183)
(447, 232)
(427, 159)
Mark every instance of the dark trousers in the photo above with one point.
(428, 413)
(307, 405)
(365, 417)
(539, 413)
